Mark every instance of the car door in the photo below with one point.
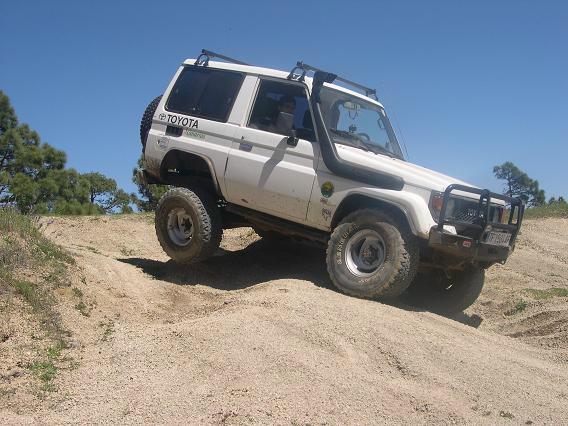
(269, 169)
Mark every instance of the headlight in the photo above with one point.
(499, 212)
(435, 205)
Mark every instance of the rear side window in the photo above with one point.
(205, 92)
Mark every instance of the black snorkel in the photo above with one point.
(330, 156)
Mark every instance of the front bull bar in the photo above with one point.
(475, 248)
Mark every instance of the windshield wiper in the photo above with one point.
(377, 149)
(349, 136)
(363, 144)
(345, 133)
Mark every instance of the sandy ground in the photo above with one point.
(258, 335)
(540, 262)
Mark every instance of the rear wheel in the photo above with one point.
(369, 256)
(188, 225)
(437, 293)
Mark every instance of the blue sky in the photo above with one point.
(467, 85)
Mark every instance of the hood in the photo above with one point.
(412, 174)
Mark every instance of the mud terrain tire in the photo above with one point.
(433, 292)
(146, 122)
(381, 266)
(188, 225)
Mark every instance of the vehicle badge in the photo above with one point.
(327, 189)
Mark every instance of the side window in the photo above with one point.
(205, 92)
(280, 108)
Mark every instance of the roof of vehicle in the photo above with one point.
(269, 72)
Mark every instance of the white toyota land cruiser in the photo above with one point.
(296, 155)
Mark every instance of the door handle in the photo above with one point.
(292, 139)
(244, 145)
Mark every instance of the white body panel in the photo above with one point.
(412, 174)
(265, 173)
(412, 203)
(214, 143)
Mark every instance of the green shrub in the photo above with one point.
(548, 293)
(548, 210)
(520, 306)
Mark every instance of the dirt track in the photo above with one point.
(257, 334)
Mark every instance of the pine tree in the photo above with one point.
(519, 184)
(33, 176)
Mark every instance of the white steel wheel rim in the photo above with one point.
(180, 227)
(364, 253)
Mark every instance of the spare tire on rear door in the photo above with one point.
(146, 122)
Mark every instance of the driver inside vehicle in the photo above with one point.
(283, 122)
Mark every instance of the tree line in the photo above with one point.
(34, 177)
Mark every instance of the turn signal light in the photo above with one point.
(436, 201)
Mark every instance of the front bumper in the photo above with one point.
(467, 248)
(475, 245)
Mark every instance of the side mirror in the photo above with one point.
(292, 139)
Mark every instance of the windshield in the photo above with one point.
(352, 121)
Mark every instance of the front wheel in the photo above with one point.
(188, 225)
(444, 295)
(369, 256)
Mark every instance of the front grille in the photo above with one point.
(467, 214)
(467, 211)
(463, 210)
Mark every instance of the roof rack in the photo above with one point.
(206, 55)
(304, 68)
